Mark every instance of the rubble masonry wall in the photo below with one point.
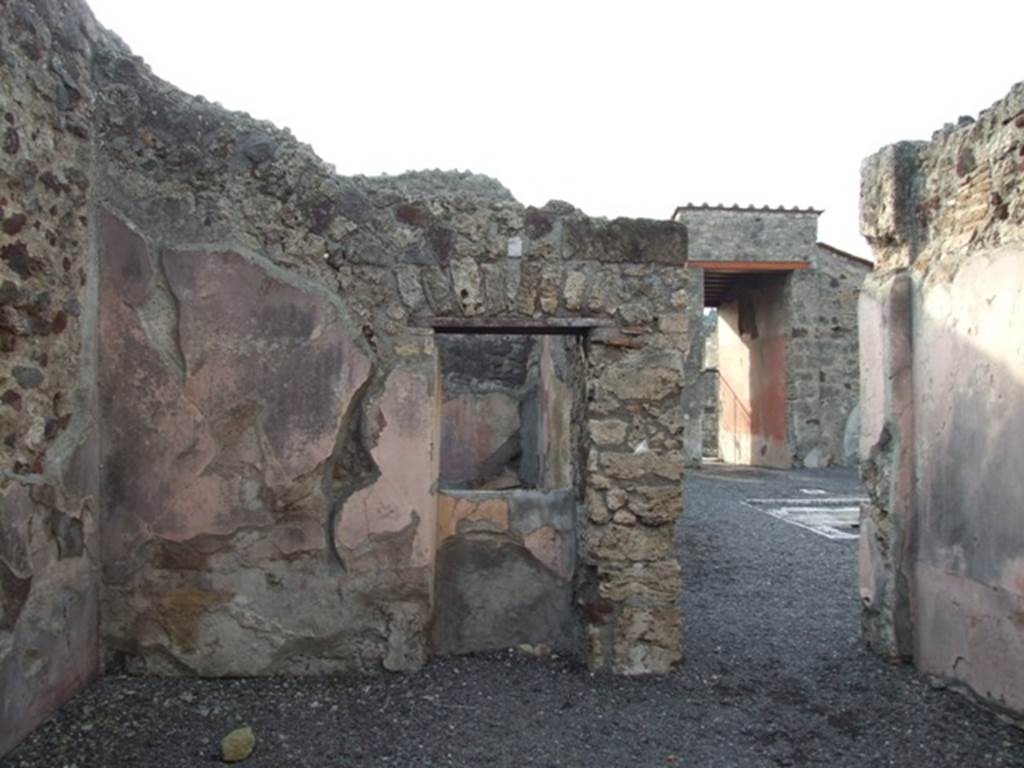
(49, 499)
(221, 399)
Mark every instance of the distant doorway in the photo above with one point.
(747, 322)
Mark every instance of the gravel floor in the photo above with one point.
(775, 675)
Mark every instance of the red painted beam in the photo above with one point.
(749, 266)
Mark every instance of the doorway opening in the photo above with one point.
(747, 325)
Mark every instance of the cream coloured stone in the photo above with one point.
(457, 514)
(237, 745)
(527, 289)
(608, 431)
(468, 286)
(602, 293)
(641, 378)
(634, 543)
(674, 323)
(409, 348)
(575, 283)
(656, 582)
(598, 510)
(549, 289)
(647, 640)
(656, 505)
(616, 498)
(634, 466)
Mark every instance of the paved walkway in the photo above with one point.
(776, 675)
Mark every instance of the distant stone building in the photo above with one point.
(782, 390)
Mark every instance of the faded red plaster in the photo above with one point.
(768, 397)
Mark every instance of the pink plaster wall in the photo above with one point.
(886, 448)
(475, 426)
(752, 378)
(406, 456)
(968, 498)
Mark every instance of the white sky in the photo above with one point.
(626, 108)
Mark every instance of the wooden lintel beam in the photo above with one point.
(521, 325)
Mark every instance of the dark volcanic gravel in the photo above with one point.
(775, 675)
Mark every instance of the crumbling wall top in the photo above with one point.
(932, 204)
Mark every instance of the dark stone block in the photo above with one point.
(413, 215)
(259, 149)
(634, 241)
(27, 377)
(67, 531)
(469, 361)
(419, 254)
(14, 223)
(353, 204)
(18, 259)
(491, 593)
(530, 510)
(537, 224)
(13, 594)
(11, 141)
(442, 242)
(125, 256)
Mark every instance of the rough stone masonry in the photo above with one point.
(219, 392)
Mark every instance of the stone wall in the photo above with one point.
(822, 356)
(48, 497)
(735, 233)
(222, 401)
(942, 544)
(840, 279)
(710, 385)
(281, 471)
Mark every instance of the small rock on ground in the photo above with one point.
(237, 745)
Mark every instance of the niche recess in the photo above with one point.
(511, 410)
(506, 411)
